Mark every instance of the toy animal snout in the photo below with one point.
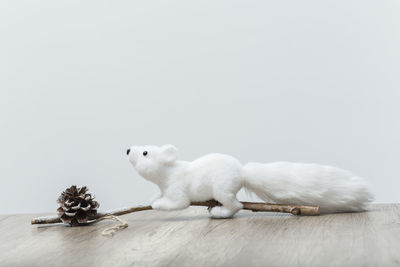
(128, 151)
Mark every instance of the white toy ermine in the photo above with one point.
(220, 177)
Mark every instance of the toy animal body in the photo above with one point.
(220, 177)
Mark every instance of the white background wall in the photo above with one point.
(80, 81)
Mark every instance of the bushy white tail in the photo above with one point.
(333, 189)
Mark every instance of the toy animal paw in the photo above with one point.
(221, 212)
(158, 204)
(168, 204)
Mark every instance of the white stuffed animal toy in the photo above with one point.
(220, 177)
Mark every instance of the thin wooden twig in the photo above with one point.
(253, 206)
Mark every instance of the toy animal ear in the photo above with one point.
(170, 153)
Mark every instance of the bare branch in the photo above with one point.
(253, 206)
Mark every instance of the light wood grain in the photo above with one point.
(191, 238)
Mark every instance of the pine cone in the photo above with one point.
(77, 206)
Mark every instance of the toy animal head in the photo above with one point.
(151, 161)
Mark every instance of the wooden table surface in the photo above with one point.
(190, 238)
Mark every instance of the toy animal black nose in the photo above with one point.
(127, 152)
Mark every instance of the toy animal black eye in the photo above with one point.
(144, 153)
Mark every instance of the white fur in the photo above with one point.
(220, 177)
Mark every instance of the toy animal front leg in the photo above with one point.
(165, 203)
